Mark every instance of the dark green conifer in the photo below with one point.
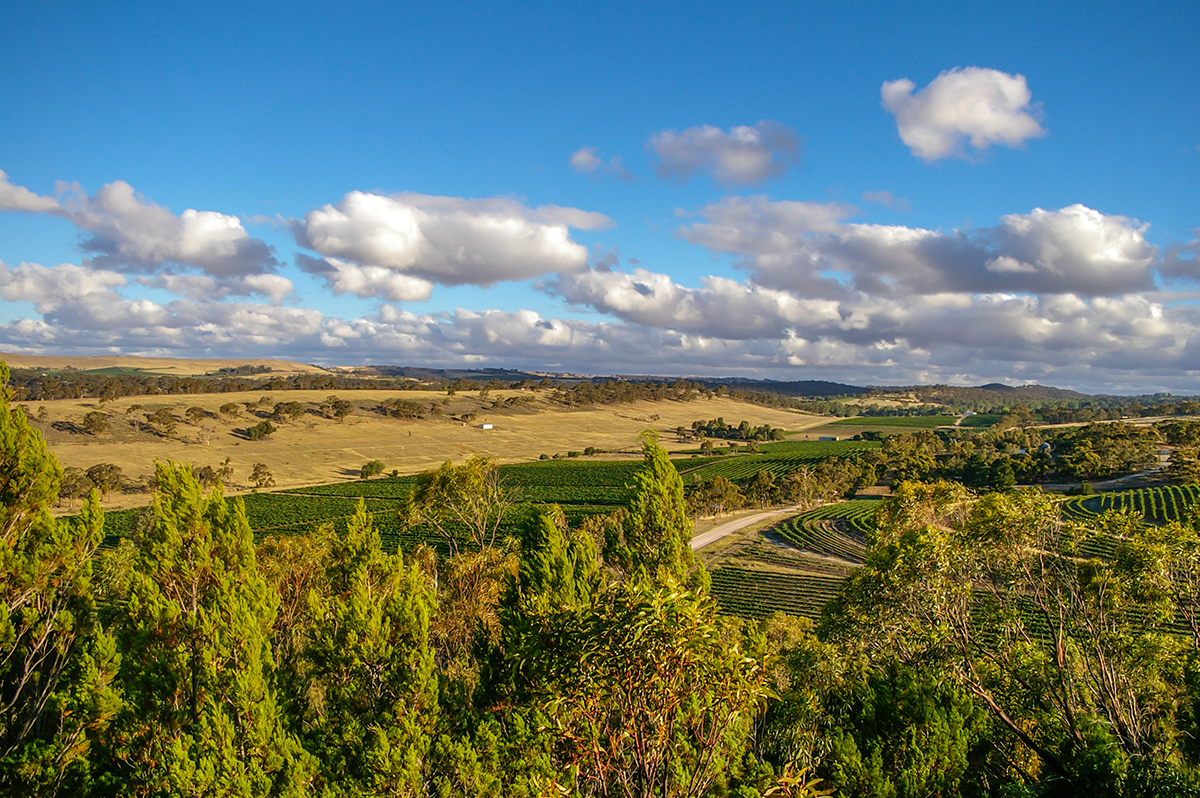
(655, 535)
(201, 715)
(373, 667)
(55, 662)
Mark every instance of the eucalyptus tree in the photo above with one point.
(1070, 653)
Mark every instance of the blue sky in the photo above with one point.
(859, 192)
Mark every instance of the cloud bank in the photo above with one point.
(125, 232)
(1071, 295)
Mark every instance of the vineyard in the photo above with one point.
(791, 456)
(835, 530)
(751, 593)
(560, 482)
(1155, 505)
(583, 488)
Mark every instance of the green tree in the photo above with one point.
(372, 664)
(371, 469)
(205, 475)
(715, 497)
(907, 732)
(558, 567)
(260, 430)
(201, 716)
(654, 535)
(1001, 475)
(1070, 656)
(1184, 466)
(288, 411)
(55, 661)
(456, 500)
(75, 485)
(95, 423)
(644, 693)
(333, 407)
(106, 477)
(261, 476)
(762, 488)
(163, 420)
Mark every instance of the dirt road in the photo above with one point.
(715, 534)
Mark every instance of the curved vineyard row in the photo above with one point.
(756, 594)
(836, 530)
(1155, 505)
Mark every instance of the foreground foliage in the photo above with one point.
(987, 647)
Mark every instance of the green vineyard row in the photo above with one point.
(750, 593)
(1155, 505)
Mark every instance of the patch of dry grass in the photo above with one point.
(314, 450)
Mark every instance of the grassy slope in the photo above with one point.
(316, 450)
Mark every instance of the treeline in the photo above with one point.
(829, 480)
(621, 392)
(34, 386)
(872, 410)
(717, 428)
(1000, 458)
(29, 385)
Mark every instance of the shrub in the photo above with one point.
(260, 430)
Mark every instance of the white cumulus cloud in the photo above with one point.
(974, 105)
(125, 232)
(366, 281)
(50, 287)
(447, 240)
(808, 248)
(19, 198)
(743, 156)
(131, 232)
(721, 308)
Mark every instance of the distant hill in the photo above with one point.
(991, 393)
(180, 367)
(797, 388)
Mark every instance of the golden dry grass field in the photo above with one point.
(176, 367)
(314, 450)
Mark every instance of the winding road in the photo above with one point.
(716, 533)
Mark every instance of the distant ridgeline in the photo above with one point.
(1022, 405)
(1027, 404)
